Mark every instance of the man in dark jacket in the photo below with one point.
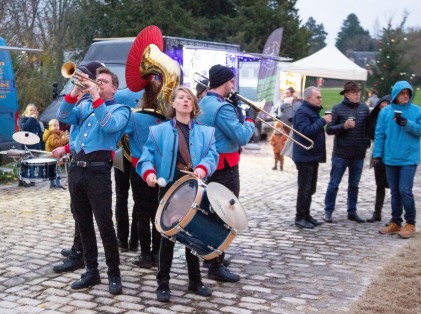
(308, 122)
(349, 125)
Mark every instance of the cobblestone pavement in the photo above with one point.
(283, 269)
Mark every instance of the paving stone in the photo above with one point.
(281, 266)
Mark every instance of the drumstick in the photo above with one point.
(161, 182)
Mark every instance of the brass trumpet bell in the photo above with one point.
(69, 70)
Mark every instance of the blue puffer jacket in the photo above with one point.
(307, 121)
(397, 145)
(160, 150)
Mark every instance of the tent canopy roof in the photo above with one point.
(329, 62)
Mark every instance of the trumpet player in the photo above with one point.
(230, 134)
(101, 124)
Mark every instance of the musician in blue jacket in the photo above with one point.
(145, 198)
(178, 144)
(100, 128)
(230, 135)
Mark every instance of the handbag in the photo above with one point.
(287, 150)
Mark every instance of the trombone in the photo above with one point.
(69, 70)
(259, 108)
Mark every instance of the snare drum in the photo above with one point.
(38, 169)
(187, 214)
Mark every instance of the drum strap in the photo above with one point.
(184, 149)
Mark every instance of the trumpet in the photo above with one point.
(258, 106)
(69, 70)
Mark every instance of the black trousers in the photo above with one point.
(166, 251)
(91, 194)
(145, 207)
(77, 241)
(230, 178)
(307, 184)
(122, 187)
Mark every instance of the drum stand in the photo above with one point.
(19, 160)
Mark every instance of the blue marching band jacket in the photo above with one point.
(160, 150)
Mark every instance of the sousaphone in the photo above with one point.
(146, 62)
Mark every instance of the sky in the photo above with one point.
(372, 14)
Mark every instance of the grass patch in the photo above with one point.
(331, 97)
(8, 173)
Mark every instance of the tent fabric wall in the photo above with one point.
(329, 62)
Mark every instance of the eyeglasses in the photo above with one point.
(103, 81)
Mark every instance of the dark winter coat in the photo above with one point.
(307, 121)
(349, 143)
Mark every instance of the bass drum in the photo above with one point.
(189, 213)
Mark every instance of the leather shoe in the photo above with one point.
(71, 263)
(163, 293)
(222, 273)
(88, 279)
(314, 222)
(114, 284)
(200, 289)
(356, 218)
(207, 263)
(66, 252)
(374, 218)
(302, 223)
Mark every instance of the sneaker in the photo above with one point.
(200, 289)
(328, 217)
(407, 231)
(163, 293)
(144, 261)
(207, 263)
(71, 263)
(88, 279)
(222, 273)
(391, 228)
(114, 284)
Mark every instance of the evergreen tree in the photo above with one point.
(352, 37)
(392, 66)
(318, 35)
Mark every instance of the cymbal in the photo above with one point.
(26, 138)
(227, 206)
(16, 152)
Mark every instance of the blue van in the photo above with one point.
(8, 100)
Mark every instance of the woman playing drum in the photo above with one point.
(178, 144)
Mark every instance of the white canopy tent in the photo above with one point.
(329, 62)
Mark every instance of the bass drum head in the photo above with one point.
(227, 206)
(178, 203)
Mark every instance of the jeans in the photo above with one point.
(307, 183)
(339, 165)
(401, 180)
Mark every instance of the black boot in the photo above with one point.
(72, 262)
(380, 195)
(88, 279)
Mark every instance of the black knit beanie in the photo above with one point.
(218, 75)
(90, 68)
